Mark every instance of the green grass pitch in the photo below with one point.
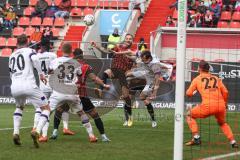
(140, 142)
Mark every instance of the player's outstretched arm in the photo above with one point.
(101, 49)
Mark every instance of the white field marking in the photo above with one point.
(7, 129)
(219, 157)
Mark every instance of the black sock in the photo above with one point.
(99, 125)
(126, 112)
(104, 78)
(151, 111)
(128, 106)
(57, 120)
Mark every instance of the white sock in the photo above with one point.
(45, 129)
(42, 120)
(36, 117)
(65, 118)
(232, 142)
(196, 136)
(17, 118)
(89, 129)
(104, 136)
(55, 132)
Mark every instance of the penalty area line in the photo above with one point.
(7, 129)
(219, 157)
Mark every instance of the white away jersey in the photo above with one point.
(45, 59)
(21, 66)
(65, 72)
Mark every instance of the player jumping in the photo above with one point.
(214, 100)
(151, 71)
(120, 65)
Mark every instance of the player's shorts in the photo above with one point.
(87, 104)
(203, 111)
(33, 94)
(57, 99)
(148, 89)
(119, 74)
(139, 72)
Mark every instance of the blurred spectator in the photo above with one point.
(237, 6)
(113, 39)
(195, 20)
(64, 9)
(35, 38)
(2, 14)
(40, 9)
(208, 19)
(201, 8)
(170, 22)
(137, 4)
(47, 36)
(51, 10)
(215, 8)
(10, 19)
(174, 5)
(207, 3)
(191, 5)
(141, 46)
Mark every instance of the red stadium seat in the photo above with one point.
(12, 42)
(113, 4)
(32, 2)
(175, 14)
(219, 60)
(222, 24)
(36, 21)
(47, 21)
(55, 32)
(123, 4)
(104, 4)
(236, 16)
(24, 21)
(76, 12)
(29, 31)
(28, 11)
(17, 31)
(234, 24)
(59, 22)
(226, 16)
(92, 3)
(87, 11)
(6, 52)
(2, 42)
(79, 3)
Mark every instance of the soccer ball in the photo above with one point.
(89, 19)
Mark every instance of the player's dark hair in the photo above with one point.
(78, 53)
(128, 34)
(146, 53)
(67, 48)
(204, 66)
(22, 40)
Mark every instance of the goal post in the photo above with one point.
(180, 80)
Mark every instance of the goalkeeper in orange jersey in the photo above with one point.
(214, 100)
